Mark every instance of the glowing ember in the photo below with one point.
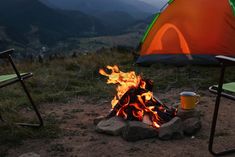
(134, 99)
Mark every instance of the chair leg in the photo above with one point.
(215, 116)
(29, 97)
(1, 119)
(34, 107)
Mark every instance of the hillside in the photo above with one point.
(30, 20)
(115, 21)
(116, 15)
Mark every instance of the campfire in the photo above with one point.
(136, 114)
(134, 100)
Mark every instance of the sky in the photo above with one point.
(156, 2)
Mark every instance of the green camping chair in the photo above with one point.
(226, 90)
(6, 80)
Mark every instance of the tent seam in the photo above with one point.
(154, 21)
(232, 4)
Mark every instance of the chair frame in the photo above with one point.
(7, 55)
(224, 62)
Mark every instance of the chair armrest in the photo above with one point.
(4, 54)
(228, 61)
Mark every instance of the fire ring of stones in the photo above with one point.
(185, 123)
(136, 114)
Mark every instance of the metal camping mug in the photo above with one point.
(189, 100)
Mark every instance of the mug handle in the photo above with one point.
(198, 98)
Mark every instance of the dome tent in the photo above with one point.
(190, 31)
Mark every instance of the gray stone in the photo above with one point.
(98, 119)
(171, 130)
(191, 126)
(136, 130)
(112, 126)
(31, 154)
(185, 114)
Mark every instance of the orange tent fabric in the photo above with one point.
(192, 27)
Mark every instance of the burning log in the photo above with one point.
(134, 98)
(149, 84)
(120, 103)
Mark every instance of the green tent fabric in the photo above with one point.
(232, 3)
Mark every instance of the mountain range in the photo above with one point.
(32, 22)
(136, 8)
(23, 19)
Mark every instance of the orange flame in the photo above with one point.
(135, 105)
(125, 81)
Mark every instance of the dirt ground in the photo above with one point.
(80, 139)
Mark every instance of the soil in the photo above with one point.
(79, 138)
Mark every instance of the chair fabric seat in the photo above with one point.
(229, 87)
(11, 78)
(228, 90)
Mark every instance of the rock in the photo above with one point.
(98, 119)
(31, 154)
(172, 129)
(112, 126)
(136, 130)
(191, 126)
(185, 114)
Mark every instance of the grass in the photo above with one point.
(63, 79)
